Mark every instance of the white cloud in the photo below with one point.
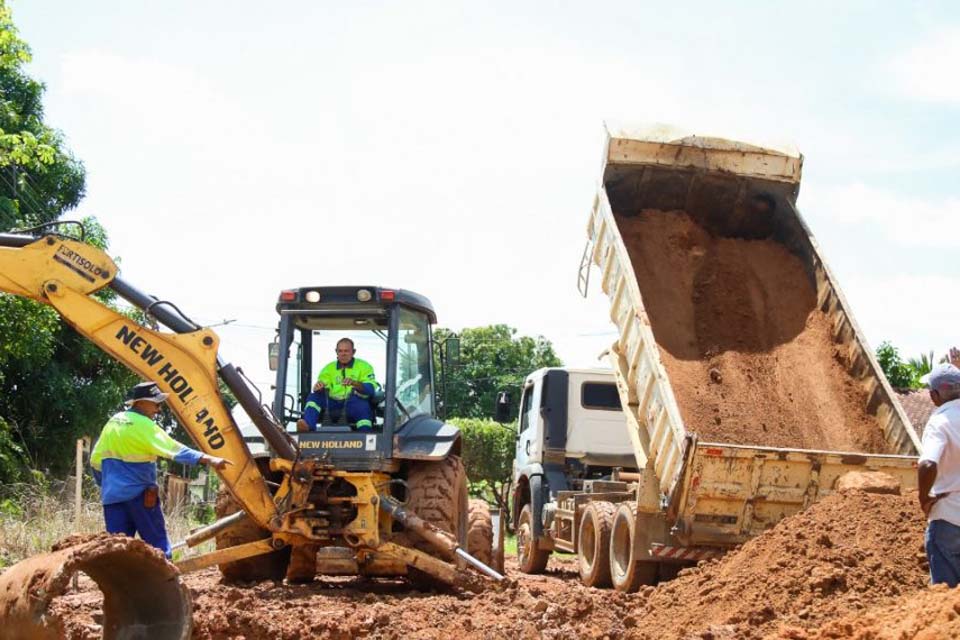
(916, 313)
(928, 71)
(904, 220)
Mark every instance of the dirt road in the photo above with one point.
(847, 565)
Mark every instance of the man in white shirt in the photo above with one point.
(938, 476)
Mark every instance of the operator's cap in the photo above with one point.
(148, 391)
(943, 376)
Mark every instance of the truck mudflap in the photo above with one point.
(731, 493)
(671, 553)
(142, 593)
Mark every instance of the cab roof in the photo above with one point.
(340, 300)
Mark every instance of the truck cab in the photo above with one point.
(570, 431)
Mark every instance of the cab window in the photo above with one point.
(525, 408)
(600, 395)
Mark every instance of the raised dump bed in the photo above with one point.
(748, 386)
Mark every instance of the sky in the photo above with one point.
(234, 149)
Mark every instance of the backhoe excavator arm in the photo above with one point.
(63, 273)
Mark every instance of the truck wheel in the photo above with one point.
(529, 557)
(593, 553)
(480, 531)
(270, 566)
(627, 572)
(437, 493)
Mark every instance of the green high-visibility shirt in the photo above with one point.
(360, 370)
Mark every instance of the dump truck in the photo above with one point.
(389, 499)
(747, 388)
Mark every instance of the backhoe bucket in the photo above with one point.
(142, 593)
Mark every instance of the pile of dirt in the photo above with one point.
(552, 606)
(844, 554)
(751, 359)
(538, 607)
(931, 614)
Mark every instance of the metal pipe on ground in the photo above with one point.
(205, 533)
(440, 539)
(142, 593)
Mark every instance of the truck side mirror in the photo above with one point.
(453, 351)
(502, 412)
(273, 355)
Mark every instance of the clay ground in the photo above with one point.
(851, 565)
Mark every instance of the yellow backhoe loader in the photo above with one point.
(386, 501)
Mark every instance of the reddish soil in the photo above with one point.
(930, 614)
(751, 359)
(844, 554)
(553, 605)
(824, 573)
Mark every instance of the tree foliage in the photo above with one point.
(54, 385)
(492, 359)
(900, 374)
(488, 451)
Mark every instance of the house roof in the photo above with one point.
(917, 405)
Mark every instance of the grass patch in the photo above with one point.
(35, 516)
(510, 545)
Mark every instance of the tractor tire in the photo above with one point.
(437, 493)
(593, 552)
(270, 566)
(627, 572)
(480, 531)
(529, 557)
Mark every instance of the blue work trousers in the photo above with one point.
(943, 552)
(131, 518)
(359, 410)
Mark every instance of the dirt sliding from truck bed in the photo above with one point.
(843, 555)
(751, 359)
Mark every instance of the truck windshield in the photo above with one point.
(414, 362)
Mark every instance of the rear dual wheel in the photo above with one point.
(593, 552)
(628, 572)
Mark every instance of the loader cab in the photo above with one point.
(392, 331)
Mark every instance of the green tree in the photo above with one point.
(54, 385)
(488, 449)
(900, 374)
(922, 365)
(39, 178)
(492, 359)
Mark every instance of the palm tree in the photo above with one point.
(922, 365)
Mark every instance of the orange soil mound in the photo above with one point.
(845, 553)
(931, 614)
(750, 358)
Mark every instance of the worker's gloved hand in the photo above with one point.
(215, 462)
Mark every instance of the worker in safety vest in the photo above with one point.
(348, 384)
(124, 462)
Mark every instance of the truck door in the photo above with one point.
(528, 439)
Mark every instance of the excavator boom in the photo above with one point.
(63, 273)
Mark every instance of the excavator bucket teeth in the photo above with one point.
(142, 593)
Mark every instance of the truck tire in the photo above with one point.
(593, 551)
(480, 531)
(628, 572)
(437, 493)
(529, 557)
(270, 566)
